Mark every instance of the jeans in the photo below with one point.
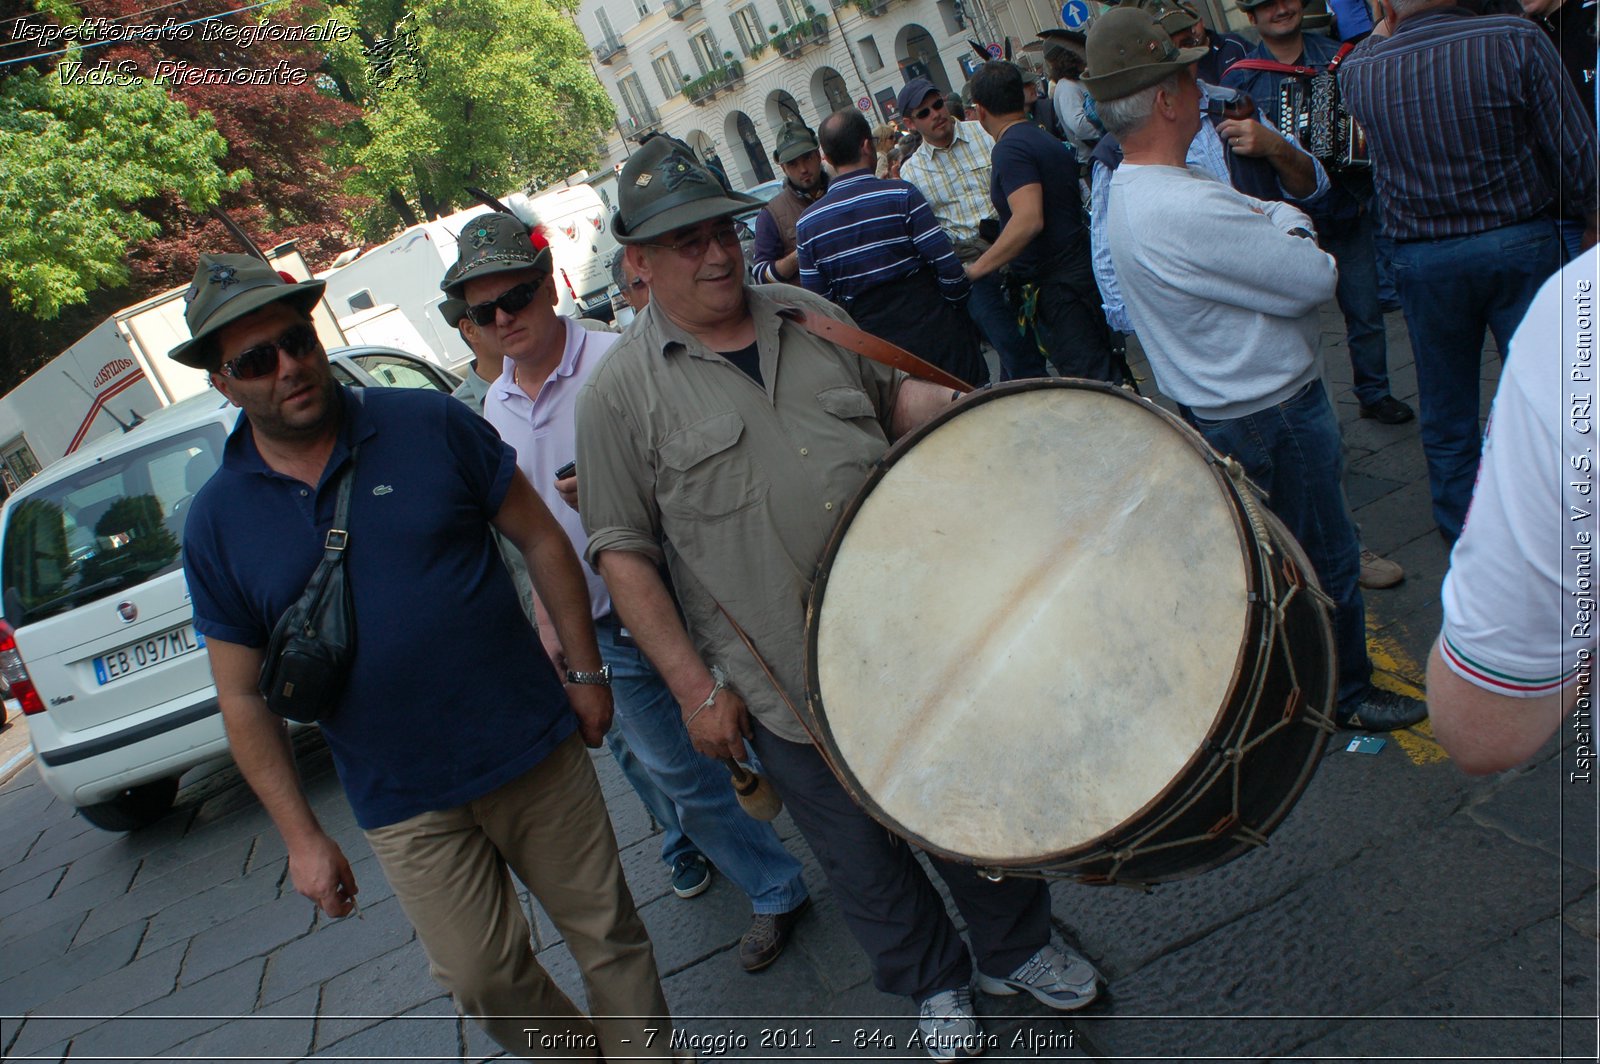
(1451, 291)
(1294, 453)
(989, 309)
(674, 843)
(744, 849)
(1388, 294)
(1351, 246)
(888, 901)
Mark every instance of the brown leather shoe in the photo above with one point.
(768, 934)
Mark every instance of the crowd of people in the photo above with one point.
(699, 462)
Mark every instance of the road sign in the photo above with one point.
(1074, 14)
(994, 51)
(864, 104)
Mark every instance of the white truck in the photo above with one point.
(112, 378)
(405, 272)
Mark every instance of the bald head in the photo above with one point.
(846, 140)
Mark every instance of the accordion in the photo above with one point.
(1311, 108)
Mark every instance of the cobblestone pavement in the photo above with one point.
(1403, 909)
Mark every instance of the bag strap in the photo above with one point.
(1275, 67)
(872, 347)
(338, 537)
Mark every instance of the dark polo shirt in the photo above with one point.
(451, 695)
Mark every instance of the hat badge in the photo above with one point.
(480, 236)
(223, 275)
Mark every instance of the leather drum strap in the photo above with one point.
(878, 350)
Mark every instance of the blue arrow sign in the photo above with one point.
(1074, 14)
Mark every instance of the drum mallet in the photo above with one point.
(755, 794)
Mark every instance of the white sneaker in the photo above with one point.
(1059, 978)
(949, 1027)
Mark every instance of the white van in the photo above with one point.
(98, 641)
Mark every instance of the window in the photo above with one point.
(394, 372)
(747, 28)
(668, 74)
(792, 11)
(105, 528)
(634, 99)
(643, 7)
(606, 32)
(19, 460)
(706, 53)
(870, 54)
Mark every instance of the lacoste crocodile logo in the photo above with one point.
(382, 489)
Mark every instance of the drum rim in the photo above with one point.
(825, 744)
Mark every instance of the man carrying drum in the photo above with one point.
(1223, 290)
(724, 438)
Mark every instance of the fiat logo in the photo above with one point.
(128, 612)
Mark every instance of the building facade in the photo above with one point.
(723, 75)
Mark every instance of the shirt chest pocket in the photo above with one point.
(847, 403)
(704, 474)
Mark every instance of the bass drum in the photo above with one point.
(1056, 633)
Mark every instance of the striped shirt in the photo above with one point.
(1472, 123)
(867, 232)
(955, 179)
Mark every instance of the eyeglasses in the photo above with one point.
(937, 105)
(695, 247)
(511, 300)
(258, 361)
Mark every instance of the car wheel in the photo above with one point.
(134, 808)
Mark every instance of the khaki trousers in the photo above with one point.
(452, 869)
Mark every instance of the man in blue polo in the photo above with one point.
(461, 756)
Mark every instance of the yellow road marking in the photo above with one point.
(1394, 670)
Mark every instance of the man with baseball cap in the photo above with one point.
(773, 257)
(533, 405)
(451, 802)
(724, 438)
(952, 170)
(1226, 307)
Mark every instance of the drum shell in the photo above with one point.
(1260, 748)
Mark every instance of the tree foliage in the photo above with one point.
(490, 93)
(75, 163)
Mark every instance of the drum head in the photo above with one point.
(1028, 622)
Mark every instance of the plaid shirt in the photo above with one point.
(1473, 125)
(955, 180)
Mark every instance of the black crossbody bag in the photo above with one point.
(314, 643)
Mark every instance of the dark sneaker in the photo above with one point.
(691, 875)
(1379, 572)
(1383, 711)
(768, 934)
(1388, 411)
(1059, 978)
(948, 1026)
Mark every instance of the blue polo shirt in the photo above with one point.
(451, 695)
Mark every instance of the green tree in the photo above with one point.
(490, 93)
(75, 162)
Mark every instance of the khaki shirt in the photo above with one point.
(683, 458)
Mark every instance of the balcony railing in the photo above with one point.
(608, 49)
(636, 126)
(677, 9)
(791, 44)
(869, 8)
(707, 87)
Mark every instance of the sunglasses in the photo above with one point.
(258, 361)
(695, 247)
(937, 105)
(511, 300)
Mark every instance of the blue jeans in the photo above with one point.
(674, 843)
(1452, 290)
(1384, 246)
(989, 309)
(1351, 246)
(744, 849)
(1294, 453)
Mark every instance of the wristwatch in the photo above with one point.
(597, 679)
